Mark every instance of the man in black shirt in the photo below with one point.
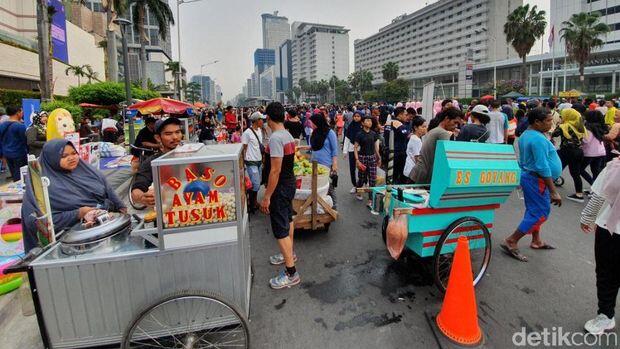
(401, 138)
(167, 132)
(146, 138)
(293, 125)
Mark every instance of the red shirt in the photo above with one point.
(230, 120)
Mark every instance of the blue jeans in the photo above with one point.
(254, 172)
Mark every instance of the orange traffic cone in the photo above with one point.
(458, 318)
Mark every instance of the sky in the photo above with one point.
(230, 30)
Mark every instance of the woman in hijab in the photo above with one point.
(349, 146)
(75, 189)
(571, 132)
(36, 134)
(324, 143)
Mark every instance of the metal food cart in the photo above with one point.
(470, 181)
(182, 284)
(190, 128)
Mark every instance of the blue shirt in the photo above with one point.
(13, 143)
(325, 155)
(538, 155)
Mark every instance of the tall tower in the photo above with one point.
(276, 30)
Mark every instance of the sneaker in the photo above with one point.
(575, 198)
(278, 259)
(359, 197)
(283, 280)
(353, 190)
(600, 324)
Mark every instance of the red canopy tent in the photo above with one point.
(161, 105)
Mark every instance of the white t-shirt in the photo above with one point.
(413, 149)
(252, 153)
(496, 127)
(597, 187)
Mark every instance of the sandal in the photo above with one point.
(514, 253)
(544, 246)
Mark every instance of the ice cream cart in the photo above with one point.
(470, 181)
(182, 284)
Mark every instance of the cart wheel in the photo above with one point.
(479, 248)
(188, 319)
(386, 220)
(135, 205)
(559, 181)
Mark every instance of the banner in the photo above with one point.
(427, 100)
(59, 31)
(30, 107)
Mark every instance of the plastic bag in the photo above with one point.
(396, 235)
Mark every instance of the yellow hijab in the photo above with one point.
(571, 120)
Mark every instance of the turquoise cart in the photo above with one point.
(470, 181)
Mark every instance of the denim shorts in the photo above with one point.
(254, 172)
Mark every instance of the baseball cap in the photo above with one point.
(161, 123)
(480, 109)
(257, 115)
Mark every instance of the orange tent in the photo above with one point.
(161, 105)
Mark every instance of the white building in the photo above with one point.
(268, 83)
(319, 51)
(562, 10)
(276, 30)
(438, 42)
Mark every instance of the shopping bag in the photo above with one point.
(396, 235)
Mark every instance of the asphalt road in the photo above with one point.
(353, 295)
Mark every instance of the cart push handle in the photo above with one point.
(24, 262)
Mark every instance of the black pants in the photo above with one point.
(596, 166)
(399, 167)
(15, 165)
(607, 256)
(573, 157)
(352, 168)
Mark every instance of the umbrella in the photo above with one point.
(199, 105)
(487, 97)
(159, 105)
(512, 94)
(571, 94)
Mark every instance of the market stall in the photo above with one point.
(184, 283)
(470, 181)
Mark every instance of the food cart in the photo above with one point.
(182, 284)
(189, 125)
(470, 181)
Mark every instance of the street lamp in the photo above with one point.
(180, 71)
(124, 23)
(492, 37)
(201, 87)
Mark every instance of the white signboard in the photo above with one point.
(427, 100)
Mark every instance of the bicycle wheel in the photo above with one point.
(188, 320)
(479, 249)
(136, 205)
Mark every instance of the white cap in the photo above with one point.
(480, 109)
(257, 115)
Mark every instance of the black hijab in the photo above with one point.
(354, 128)
(595, 123)
(319, 135)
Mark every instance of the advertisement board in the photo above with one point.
(59, 31)
(30, 107)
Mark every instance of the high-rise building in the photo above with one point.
(562, 10)
(319, 51)
(207, 86)
(284, 68)
(439, 42)
(264, 58)
(276, 29)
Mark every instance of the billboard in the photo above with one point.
(30, 107)
(59, 31)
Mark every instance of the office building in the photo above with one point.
(276, 30)
(319, 51)
(264, 58)
(284, 68)
(439, 42)
(267, 83)
(562, 10)
(208, 88)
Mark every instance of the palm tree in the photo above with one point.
(193, 92)
(582, 35)
(522, 28)
(390, 71)
(77, 70)
(90, 73)
(173, 68)
(162, 15)
(361, 81)
(113, 9)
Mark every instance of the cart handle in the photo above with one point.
(22, 265)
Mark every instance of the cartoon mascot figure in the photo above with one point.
(59, 123)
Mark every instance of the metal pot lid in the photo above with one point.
(79, 234)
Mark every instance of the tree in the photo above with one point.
(90, 73)
(304, 86)
(361, 81)
(390, 71)
(291, 96)
(162, 15)
(43, 34)
(77, 70)
(113, 9)
(522, 28)
(394, 91)
(582, 35)
(173, 68)
(322, 89)
(193, 92)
